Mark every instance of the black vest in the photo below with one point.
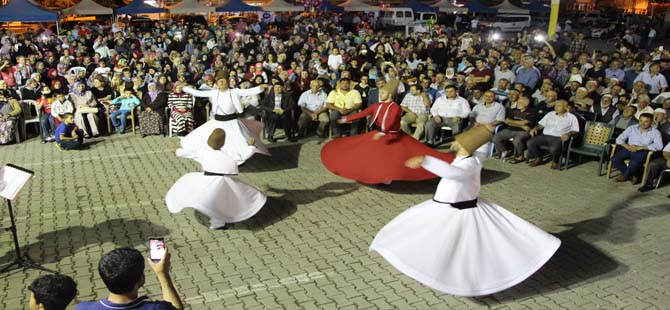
(600, 117)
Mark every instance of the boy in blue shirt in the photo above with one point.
(127, 103)
(68, 135)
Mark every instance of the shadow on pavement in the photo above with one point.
(278, 208)
(283, 157)
(577, 262)
(429, 186)
(55, 245)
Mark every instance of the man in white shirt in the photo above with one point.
(489, 112)
(643, 106)
(656, 81)
(448, 110)
(557, 127)
(313, 105)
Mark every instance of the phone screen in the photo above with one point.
(156, 249)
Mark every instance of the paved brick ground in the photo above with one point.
(308, 247)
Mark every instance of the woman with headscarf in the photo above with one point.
(85, 107)
(153, 111)
(180, 105)
(10, 110)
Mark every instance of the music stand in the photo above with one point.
(12, 180)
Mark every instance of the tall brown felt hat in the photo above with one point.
(217, 139)
(472, 139)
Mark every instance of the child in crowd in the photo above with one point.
(126, 103)
(47, 121)
(51, 292)
(68, 135)
(59, 107)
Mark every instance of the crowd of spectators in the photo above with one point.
(539, 93)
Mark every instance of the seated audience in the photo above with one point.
(633, 145)
(557, 127)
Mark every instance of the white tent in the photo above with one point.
(282, 6)
(191, 7)
(88, 7)
(448, 7)
(358, 6)
(508, 8)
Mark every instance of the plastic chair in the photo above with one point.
(595, 143)
(130, 116)
(27, 107)
(645, 166)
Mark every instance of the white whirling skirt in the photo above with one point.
(470, 252)
(224, 199)
(237, 136)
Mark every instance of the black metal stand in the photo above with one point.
(22, 261)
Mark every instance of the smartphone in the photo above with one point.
(156, 249)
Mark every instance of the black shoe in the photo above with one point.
(272, 140)
(43, 142)
(644, 189)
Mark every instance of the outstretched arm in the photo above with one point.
(442, 168)
(198, 93)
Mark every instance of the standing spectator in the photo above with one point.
(557, 127)
(578, 45)
(448, 110)
(10, 110)
(416, 105)
(634, 143)
(313, 105)
(51, 292)
(47, 121)
(122, 271)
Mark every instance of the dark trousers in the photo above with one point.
(286, 122)
(656, 166)
(636, 160)
(74, 144)
(337, 132)
(519, 138)
(554, 143)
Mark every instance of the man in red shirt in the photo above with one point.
(481, 74)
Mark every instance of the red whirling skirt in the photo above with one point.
(370, 161)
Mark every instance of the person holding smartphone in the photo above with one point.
(122, 271)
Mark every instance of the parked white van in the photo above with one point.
(508, 22)
(396, 17)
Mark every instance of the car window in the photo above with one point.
(398, 14)
(408, 14)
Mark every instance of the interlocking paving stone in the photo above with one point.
(308, 247)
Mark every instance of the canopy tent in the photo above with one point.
(327, 7)
(416, 6)
(25, 11)
(190, 7)
(281, 6)
(536, 6)
(506, 7)
(138, 7)
(237, 6)
(476, 7)
(88, 7)
(447, 6)
(358, 6)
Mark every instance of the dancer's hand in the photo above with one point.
(342, 120)
(414, 162)
(251, 141)
(377, 136)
